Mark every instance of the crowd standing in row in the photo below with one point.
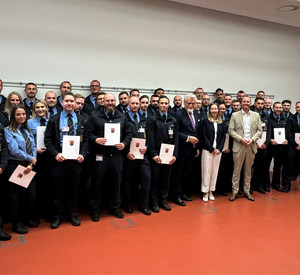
(214, 143)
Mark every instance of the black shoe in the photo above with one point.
(33, 223)
(276, 187)
(145, 211)
(55, 224)
(179, 202)
(128, 209)
(117, 213)
(19, 228)
(285, 189)
(95, 217)
(164, 205)
(267, 188)
(4, 236)
(260, 190)
(75, 221)
(155, 208)
(186, 198)
(216, 193)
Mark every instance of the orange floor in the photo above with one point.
(220, 237)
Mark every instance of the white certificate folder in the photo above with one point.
(40, 134)
(70, 147)
(279, 135)
(135, 146)
(166, 153)
(112, 133)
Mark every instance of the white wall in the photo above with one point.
(146, 44)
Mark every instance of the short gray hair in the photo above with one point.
(190, 96)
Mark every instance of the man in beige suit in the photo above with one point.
(245, 129)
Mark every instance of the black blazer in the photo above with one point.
(3, 149)
(2, 104)
(52, 135)
(185, 129)
(89, 106)
(291, 129)
(208, 135)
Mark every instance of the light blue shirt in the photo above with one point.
(141, 113)
(63, 123)
(33, 123)
(161, 114)
(17, 146)
(27, 101)
(93, 99)
(131, 116)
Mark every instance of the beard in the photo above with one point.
(109, 108)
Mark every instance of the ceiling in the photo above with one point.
(286, 12)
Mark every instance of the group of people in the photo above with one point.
(215, 147)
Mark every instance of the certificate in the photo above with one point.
(135, 146)
(112, 133)
(166, 153)
(297, 138)
(262, 140)
(279, 135)
(226, 143)
(70, 147)
(18, 177)
(40, 134)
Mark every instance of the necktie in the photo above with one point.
(125, 110)
(31, 106)
(136, 121)
(192, 120)
(164, 118)
(205, 111)
(226, 113)
(43, 122)
(70, 125)
(27, 141)
(51, 111)
(144, 114)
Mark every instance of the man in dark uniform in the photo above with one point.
(286, 106)
(136, 171)
(188, 121)
(123, 102)
(90, 103)
(153, 107)
(2, 97)
(108, 160)
(3, 163)
(177, 104)
(65, 172)
(161, 128)
(219, 94)
(205, 106)
(278, 151)
(51, 100)
(144, 103)
(31, 91)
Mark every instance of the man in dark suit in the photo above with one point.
(2, 97)
(108, 160)
(144, 104)
(31, 91)
(90, 103)
(177, 104)
(286, 105)
(188, 121)
(219, 94)
(65, 172)
(123, 102)
(51, 100)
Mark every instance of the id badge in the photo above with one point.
(171, 133)
(99, 157)
(142, 130)
(65, 130)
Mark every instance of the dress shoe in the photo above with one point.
(145, 211)
(205, 197)
(186, 198)
(164, 205)
(55, 224)
(285, 189)
(128, 209)
(249, 197)
(232, 197)
(260, 190)
(75, 221)
(33, 223)
(211, 196)
(179, 201)
(19, 228)
(155, 208)
(4, 236)
(117, 213)
(95, 217)
(216, 193)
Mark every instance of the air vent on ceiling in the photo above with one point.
(288, 8)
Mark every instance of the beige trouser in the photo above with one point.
(243, 157)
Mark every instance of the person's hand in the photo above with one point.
(60, 158)
(28, 169)
(227, 151)
(130, 156)
(263, 146)
(172, 160)
(41, 150)
(285, 142)
(120, 146)
(273, 142)
(80, 159)
(143, 150)
(157, 159)
(197, 153)
(101, 141)
(193, 140)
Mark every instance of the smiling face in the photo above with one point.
(259, 105)
(51, 99)
(134, 104)
(95, 87)
(109, 103)
(14, 101)
(68, 103)
(31, 91)
(20, 116)
(246, 102)
(214, 110)
(163, 105)
(124, 99)
(277, 109)
(189, 104)
(40, 109)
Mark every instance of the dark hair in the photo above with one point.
(78, 96)
(134, 90)
(65, 82)
(219, 90)
(144, 96)
(260, 92)
(69, 93)
(30, 83)
(123, 93)
(227, 95)
(159, 89)
(241, 92)
(162, 97)
(13, 125)
(235, 100)
(277, 102)
(286, 101)
(154, 96)
(258, 98)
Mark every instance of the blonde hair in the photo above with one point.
(209, 116)
(42, 102)
(8, 107)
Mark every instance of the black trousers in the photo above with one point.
(160, 177)
(224, 180)
(180, 183)
(110, 168)
(22, 200)
(294, 163)
(280, 155)
(137, 176)
(260, 175)
(65, 182)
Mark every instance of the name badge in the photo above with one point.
(65, 129)
(171, 132)
(142, 130)
(263, 124)
(99, 157)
